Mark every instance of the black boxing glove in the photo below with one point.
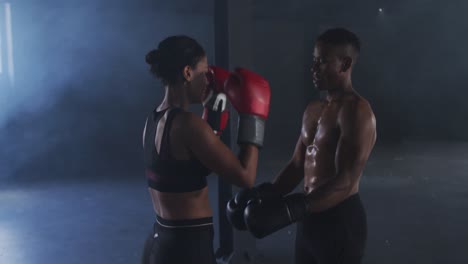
(264, 217)
(236, 206)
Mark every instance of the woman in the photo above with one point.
(181, 148)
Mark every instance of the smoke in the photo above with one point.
(430, 76)
(82, 88)
(412, 65)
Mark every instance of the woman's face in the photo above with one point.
(198, 81)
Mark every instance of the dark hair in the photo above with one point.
(172, 55)
(340, 37)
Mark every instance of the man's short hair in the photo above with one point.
(340, 37)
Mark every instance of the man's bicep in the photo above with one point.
(293, 173)
(355, 143)
(298, 157)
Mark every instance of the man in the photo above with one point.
(336, 139)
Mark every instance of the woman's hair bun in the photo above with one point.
(170, 57)
(153, 57)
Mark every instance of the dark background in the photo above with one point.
(82, 89)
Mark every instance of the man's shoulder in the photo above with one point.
(312, 111)
(313, 106)
(356, 104)
(356, 110)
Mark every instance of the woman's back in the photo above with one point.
(177, 180)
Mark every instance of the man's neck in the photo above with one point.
(337, 93)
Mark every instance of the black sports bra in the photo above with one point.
(163, 172)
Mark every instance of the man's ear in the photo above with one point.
(346, 64)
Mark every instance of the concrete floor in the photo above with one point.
(416, 195)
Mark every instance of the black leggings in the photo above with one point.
(335, 236)
(180, 241)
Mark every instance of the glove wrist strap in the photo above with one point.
(251, 130)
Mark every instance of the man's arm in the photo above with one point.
(293, 173)
(358, 135)
(357, 124)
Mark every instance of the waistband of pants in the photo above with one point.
(351, 203)
(197, 222)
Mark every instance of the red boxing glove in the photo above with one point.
(215, 112)
(250, 95)
(216, 77)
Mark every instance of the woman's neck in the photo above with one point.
(175, 97)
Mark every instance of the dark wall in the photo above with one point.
(82, 86)
(279, 56)
(83, 90)
(413, 63)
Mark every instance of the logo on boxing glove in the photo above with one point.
(218, 103)
(215, 102)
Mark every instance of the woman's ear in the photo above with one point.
(187, 72)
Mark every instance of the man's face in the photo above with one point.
(327, 67)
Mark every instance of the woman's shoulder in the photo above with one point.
(189, 122)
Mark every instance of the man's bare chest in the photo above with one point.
(321, 125)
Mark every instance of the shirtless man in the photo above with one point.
(336, 139)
